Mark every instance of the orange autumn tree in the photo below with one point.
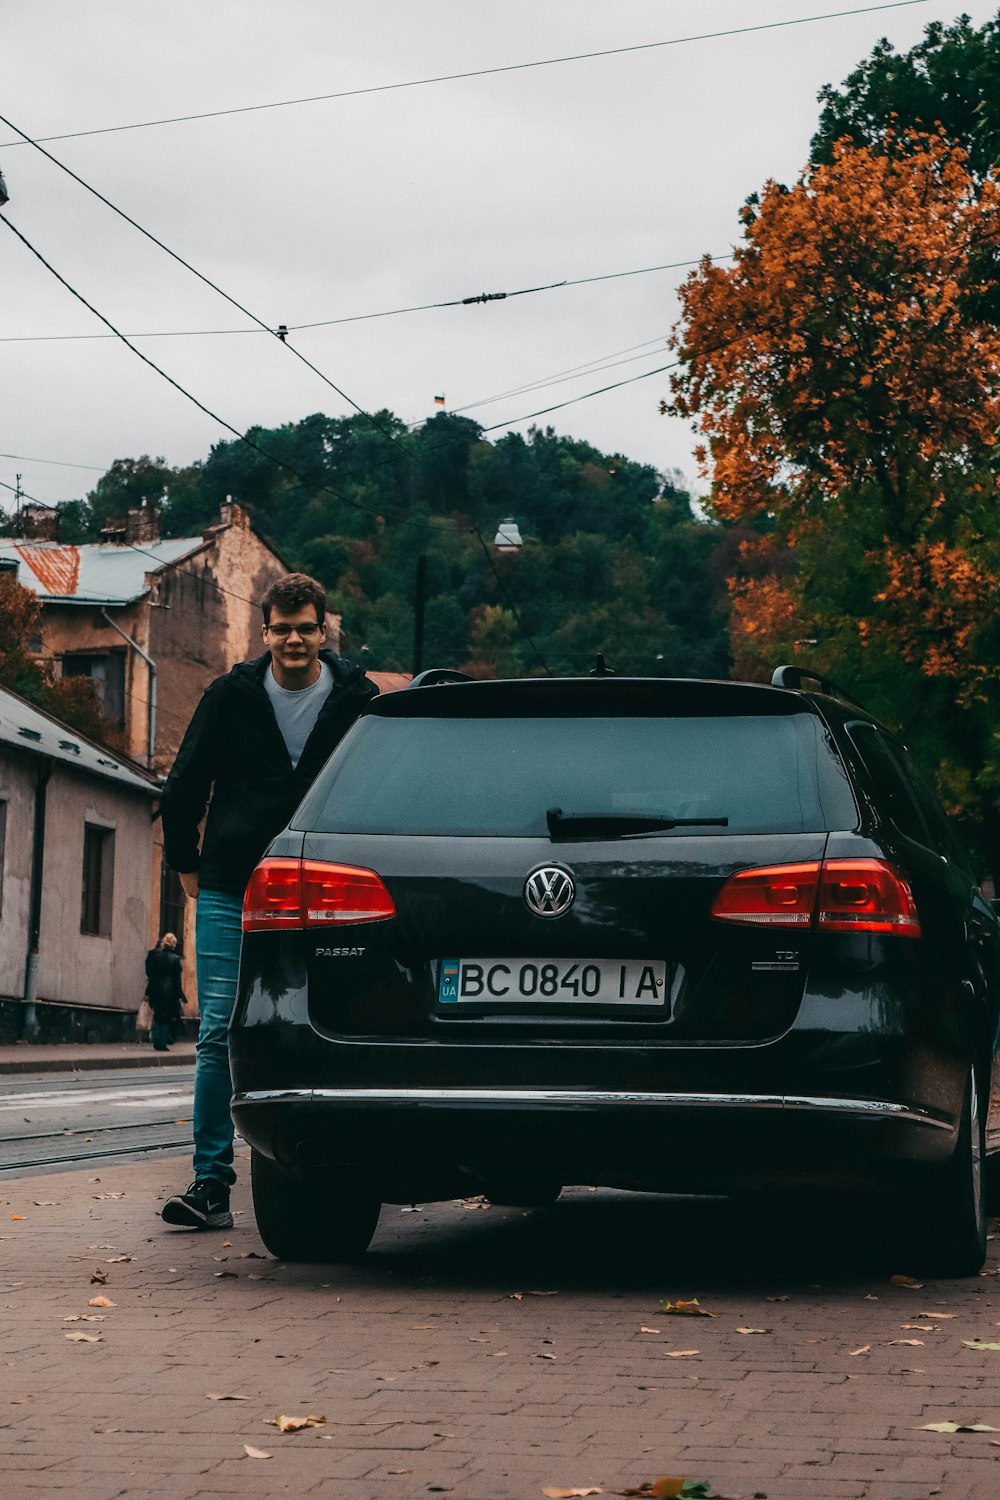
(846, 387)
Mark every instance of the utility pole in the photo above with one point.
(18, 497)
(420, 596)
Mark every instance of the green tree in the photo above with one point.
(949, 79)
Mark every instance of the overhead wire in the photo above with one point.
(412, 83)
(394, 312)
(148, 234)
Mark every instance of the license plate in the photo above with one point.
(552, 981)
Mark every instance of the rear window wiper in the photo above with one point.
(565, 826)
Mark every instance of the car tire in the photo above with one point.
(518, 1193)
(945, 1216)
(310, 1219)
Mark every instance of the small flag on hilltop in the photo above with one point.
(438, 400)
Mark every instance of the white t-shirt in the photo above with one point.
(297, 709)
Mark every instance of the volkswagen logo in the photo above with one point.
(549, 892)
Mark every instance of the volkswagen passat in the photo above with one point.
(658, 935)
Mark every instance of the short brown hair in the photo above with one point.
(292, 592)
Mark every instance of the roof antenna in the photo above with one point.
(600, 667)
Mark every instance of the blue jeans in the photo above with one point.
(218, 935)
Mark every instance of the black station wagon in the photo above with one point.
(661, 935)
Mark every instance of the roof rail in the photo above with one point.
(435, 676)
(792, 677)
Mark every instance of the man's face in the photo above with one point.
(293, 648)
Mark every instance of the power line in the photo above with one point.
(58, 462)
(412, 83)
(393, 312)
(543, 411)
(576, 372)
(276, 333)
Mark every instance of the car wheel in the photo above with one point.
(521, 1193)
(946, 1213)
(317, 1219)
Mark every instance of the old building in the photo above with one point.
(151, 621)
(76, 880)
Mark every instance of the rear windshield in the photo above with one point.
(499, 776)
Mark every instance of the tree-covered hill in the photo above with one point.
(614, 558)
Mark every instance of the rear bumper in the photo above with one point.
(664, 1140)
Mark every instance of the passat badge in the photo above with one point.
(549, 892)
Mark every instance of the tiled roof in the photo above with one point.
(95, 572)
(390, 682)
(27, 727)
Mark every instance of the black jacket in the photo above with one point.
(163, 983)
(234, 751)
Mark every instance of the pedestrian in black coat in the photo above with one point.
(163, 989)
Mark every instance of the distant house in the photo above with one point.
(76, 880)
(150, 621)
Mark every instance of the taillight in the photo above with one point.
(774, 896)
(866, 895)
(295, 893)
(841, 895)
(274, 896)
(341, 893)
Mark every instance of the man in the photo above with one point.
(256, 742)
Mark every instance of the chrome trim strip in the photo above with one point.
(873, 1109)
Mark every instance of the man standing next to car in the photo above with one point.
(257, 739)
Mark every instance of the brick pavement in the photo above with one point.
(435, 1379)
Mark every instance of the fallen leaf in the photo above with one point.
(556, 1494)
(221, 1396)
(99, 1276)
(865, 1349)
(682, 1353)
(938, 1315)
(555, 1294)
(912, 1343)
(118, 1260)
(233, 1274)
(978, 1344)
(552, 1356)
(921, 1327)
(421, 1327)
(692, 1309)
(428, 1364)
(517, 1296)
(254, 1452)
(399, 1471)
(84, 1318)
(956, 1427)
(909, 1281)
(101, 1302)
(753, 1330)
(44, 1203)
(100, 1196)
(296, 1424)
(84, 1338)
(16, 1217)
(643, 1329)
(776, 1299)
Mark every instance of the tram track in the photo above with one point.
(75, 1158)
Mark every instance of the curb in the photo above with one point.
(32, 1062)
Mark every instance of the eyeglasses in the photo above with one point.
(306, 631)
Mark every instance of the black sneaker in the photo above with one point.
(205, 1205)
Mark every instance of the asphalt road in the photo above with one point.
(51, 1122)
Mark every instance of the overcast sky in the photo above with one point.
(359, 205)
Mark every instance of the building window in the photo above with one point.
(172, 906)
(3, 844)
(107, 673)
(98, 879)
